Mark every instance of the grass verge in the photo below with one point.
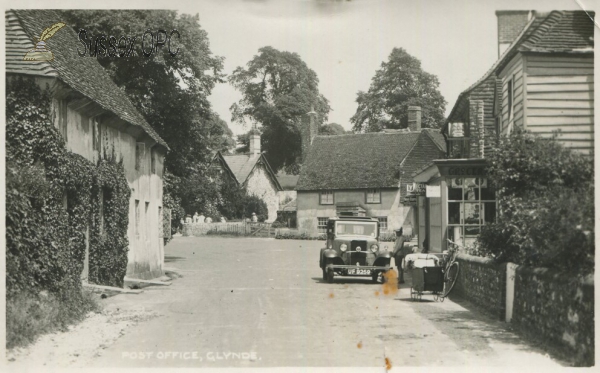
(30, 315)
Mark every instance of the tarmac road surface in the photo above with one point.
(254, 302)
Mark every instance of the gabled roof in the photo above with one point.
(357, 161)
(554, 32)
(287, 182)
(83, 74)
(240, 166)
(562, 31)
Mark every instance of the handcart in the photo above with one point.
(427, 276)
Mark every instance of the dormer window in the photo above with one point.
(456, 130)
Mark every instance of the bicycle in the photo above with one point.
(451, 268)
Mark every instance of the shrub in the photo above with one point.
(545, 196)
(300, 236)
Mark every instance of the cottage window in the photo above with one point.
(147, 219)
(457, 130)
(153, 161)
(322, 225)
(511, 98)
(137, 217)
(140, 155)
(326, 197)
(373, 196)
(383, 223)
(471, 204)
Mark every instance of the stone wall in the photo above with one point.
(558, 309)
(554, 308)
(482, 282)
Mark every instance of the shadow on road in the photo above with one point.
(346, 280)
(169, 258)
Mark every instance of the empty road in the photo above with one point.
(253, 302)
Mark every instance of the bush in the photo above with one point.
(300, 236)
(545, 196)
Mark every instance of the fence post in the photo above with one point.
(510, 289)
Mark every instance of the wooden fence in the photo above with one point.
(230, 229)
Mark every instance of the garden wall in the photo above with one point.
(482, 282)
(556, 308)
(551, 307)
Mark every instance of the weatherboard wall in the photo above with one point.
(560, 97)
(512, 74)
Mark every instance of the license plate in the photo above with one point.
(358, 271)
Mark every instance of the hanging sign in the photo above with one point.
(433, 191)
(416, 189)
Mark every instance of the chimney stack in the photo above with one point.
(510, 25)
(309, 129)
(414, 118)
(254, 142)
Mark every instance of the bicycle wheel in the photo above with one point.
(450, 279)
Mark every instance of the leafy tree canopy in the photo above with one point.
(331, 129)
(277, 89)
(171, 92)
(398, 84)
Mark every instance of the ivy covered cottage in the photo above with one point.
(543, 82)
(364, 175)
(98, 122)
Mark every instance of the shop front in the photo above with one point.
(458, 201)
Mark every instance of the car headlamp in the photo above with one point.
(343, 247)
(374, 247)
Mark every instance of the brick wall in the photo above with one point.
(558, 309)
(483, 283)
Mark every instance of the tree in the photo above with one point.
(277, 89)
(331, 129)
(170, 92)
(398, 84)
(545, 194)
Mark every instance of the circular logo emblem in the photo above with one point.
(358, 248)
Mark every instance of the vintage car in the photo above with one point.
(353, 249)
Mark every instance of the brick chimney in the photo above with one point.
(510, 25)
(254, 142)
(414, 118)
(308, 130)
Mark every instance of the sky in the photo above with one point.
(345, 42)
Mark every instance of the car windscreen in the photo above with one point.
(359, 228)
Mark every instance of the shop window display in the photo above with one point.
(471, 204)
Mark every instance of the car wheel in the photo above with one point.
(330, 275)
(324, 273)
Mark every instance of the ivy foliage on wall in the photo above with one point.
(51, 200)
(109, 243)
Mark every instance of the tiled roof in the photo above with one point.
(370, 160)
(437, 138)
(83, 74)
(562, 31)
(241, 166)
(288, 182)
(557, 31)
